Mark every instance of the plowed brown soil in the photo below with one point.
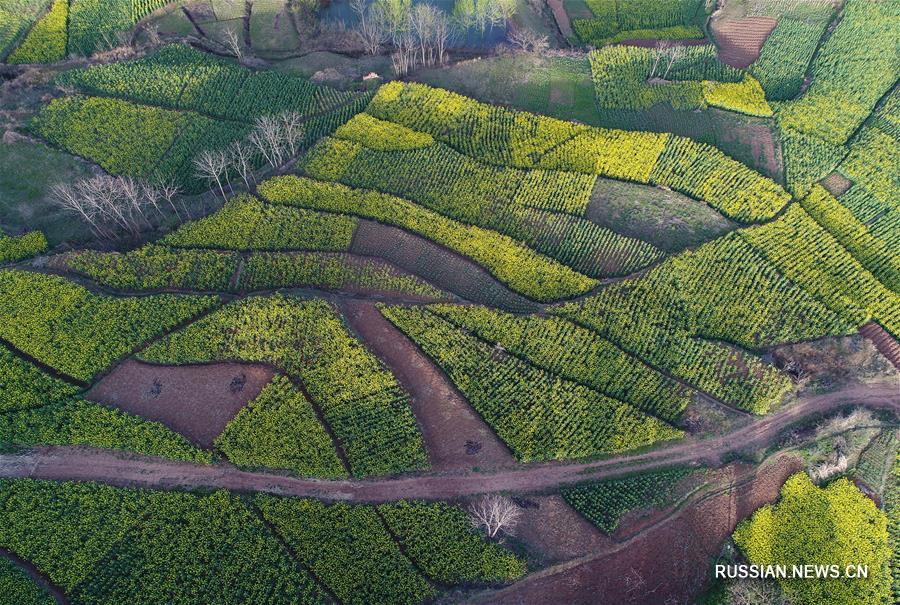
(886, 344)
(740, 40)
(668, 563)
(194, 400)
(456, 437)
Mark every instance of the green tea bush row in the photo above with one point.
(80, 333)
(279, 429)
(519, 267)
(537, 414)
(362, 402)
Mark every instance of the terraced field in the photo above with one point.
(332, 339)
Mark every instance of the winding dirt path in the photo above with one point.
(455, 436)
(117, 468)
(666, 563)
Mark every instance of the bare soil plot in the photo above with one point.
(455, 436)
(668, 563)
(561, 17)
(836, 184)
(740, 40)
(443, 268)
(196, 401)
(554, 529)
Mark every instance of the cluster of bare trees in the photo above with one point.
(528, 41)
(417, 34)
(275, 139)
(666, 55)
(111, 205)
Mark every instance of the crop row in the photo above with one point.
(16, 16)
(616, 20)
(18, 587)
(848, 79)
(605, 503)
(94, 23)
(155, 267)
(46, 41)
(537, 414)
(447, 182)
(179, 77)
(24, 386)
(279, 429)
(100, 544)
(508, 138)
(13, 249)
(807, 159)
(525, 271)
(246, 223)
(136, 140)
(877, 460)
(876, 255)
(825, 269)
(677, 316)
(576, 354)
(874, 157)
(80, 333)
(360, 399)
(621, 73)
(785, 56)
(80, 422)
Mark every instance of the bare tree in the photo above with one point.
(528, 41)
(756, 592)
(422, 20)
(660, 49)
(168, 190)
(292, 131)
(494, 513)
(443, 34)
(232, 41)
(370, 28)
(211, 166)
(241, 155)
(674, 54)
(71, 199)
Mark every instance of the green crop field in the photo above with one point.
(428, 302)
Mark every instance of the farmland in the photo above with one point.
(431, 302)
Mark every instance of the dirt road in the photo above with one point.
(115, 468)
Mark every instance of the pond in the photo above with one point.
(340, 10)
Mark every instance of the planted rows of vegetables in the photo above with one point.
(539, 415)
(514, 264)
(684, 314)
(605, 503)
(574, 353)
(509, 138)
(100, 544)
(494, 198)
(616, 20)
(367, 410)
